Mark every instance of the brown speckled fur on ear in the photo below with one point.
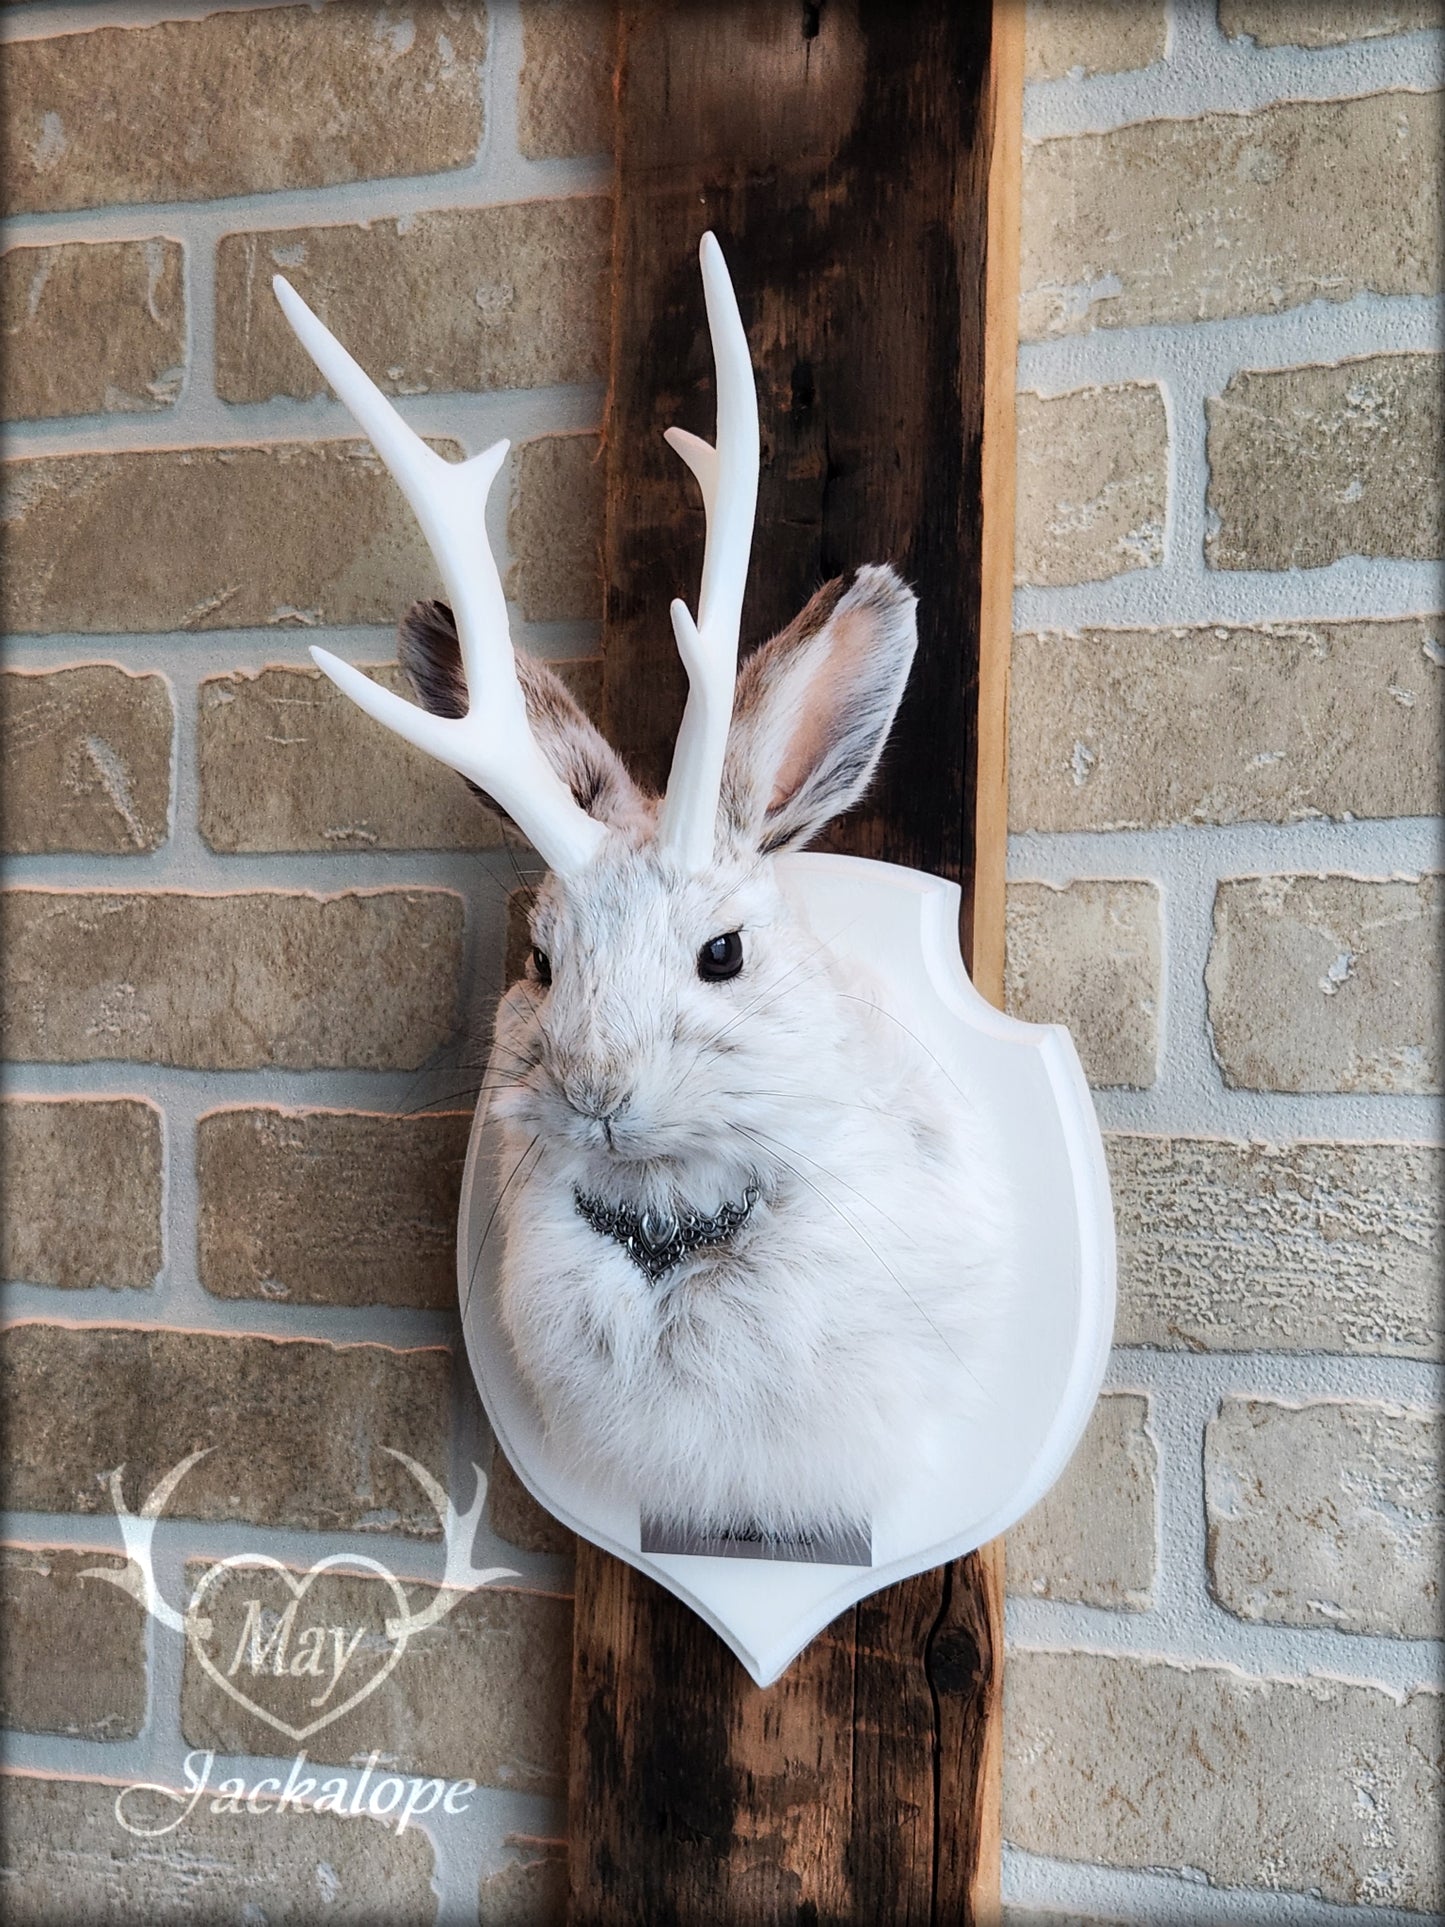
(580, 754)
(431, 655)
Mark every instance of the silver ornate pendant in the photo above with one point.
(657, 1239)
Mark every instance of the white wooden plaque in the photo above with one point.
(1029, 1090)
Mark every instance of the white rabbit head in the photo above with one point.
(675, 1015)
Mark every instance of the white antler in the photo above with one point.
(459, 1529)
(137, 1529)
(728, 478)
(492, 744)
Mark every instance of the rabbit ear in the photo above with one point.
(813, 710)
(431, 655)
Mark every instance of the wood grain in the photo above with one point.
(852, 158)
(984, 909)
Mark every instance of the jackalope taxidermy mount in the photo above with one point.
(753, 1238)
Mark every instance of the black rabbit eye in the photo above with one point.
(542, 964)
(720, 958)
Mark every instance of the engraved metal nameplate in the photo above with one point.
(839, 1546)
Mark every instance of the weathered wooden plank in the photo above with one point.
(858, 161)
(838, 154)
(983, 909)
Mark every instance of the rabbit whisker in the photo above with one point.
(496, 1060)
(433, 1103)
(520, 1063)
(813, 1097)
(459, 1067)
(883, 1011)
(500, 1048)
(473, 1091)
(833, 1205)
(768, 998)
(496, 1207)
(517, 871)
(420, 1077)
(495, 881)
(504, 1002)
(763, 1001)
(786, 1145)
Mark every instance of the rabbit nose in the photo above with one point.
(594, 1098)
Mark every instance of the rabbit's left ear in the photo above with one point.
(813, 710)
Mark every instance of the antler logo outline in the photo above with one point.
(459, 1578)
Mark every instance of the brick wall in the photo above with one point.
(1228, 684)
(250, 944)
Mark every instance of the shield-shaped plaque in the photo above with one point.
(1025, 1084)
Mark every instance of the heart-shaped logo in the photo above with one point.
(313, 1650)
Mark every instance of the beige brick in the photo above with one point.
(280, 535)
(1119, 729)
(514, 1515)
(286, 762)
(296, 1431)
(1081, 36)
(1324, 23)
(1326, 983)
(240, 103)
(564, 99)
(1310, 464)
(66, 1858)
(1194, 220)
(1092, 1537)
(54, 1614)
(81, 1180)
(554, 527)
(92, 328)
(1327, 1515)
(515, 296)
(1318, 1784)
(364, 980)
(330, 1207)
(530, 1891)
(1093, 470)
(1089, 956)
(87, 760)
(1298, 1247)
(1030, 1917)
(482, 1695)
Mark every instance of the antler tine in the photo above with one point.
(728, 478)
(492, 744)
(137, 1577)
(459, 1529)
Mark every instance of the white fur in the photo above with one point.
(798, 1377)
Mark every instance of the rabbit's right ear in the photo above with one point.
(431, 655)
(813, 710)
